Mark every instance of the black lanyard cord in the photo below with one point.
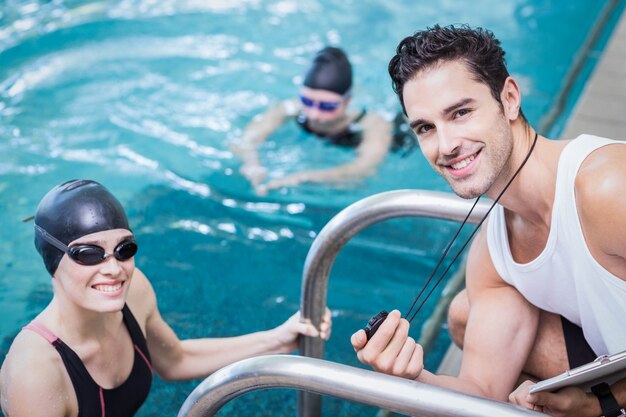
(466, 241)
(441, 258)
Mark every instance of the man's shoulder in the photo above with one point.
(481, 270)
(599, 193)
(599, 189)
(602, 174)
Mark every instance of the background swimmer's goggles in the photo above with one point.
(90, 254)
(326, 106)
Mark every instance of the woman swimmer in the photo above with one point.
(93, 349)
(322, 110)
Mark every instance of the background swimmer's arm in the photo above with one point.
(175, 359)
(377, 137)
(257, 131)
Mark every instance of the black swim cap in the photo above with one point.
(74, 209)
(330, 71)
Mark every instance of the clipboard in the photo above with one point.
(605, 368)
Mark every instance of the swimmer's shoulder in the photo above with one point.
(377, 131)
(33, 379)
(280, 111)
(291, 107)
(375, 118)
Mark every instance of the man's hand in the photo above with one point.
(390, 350)
(567, 402)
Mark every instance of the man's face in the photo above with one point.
(462, 130)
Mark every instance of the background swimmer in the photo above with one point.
(323, 111)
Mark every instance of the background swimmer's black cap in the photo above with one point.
(330, 70)
(74, 209)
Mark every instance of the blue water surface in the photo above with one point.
(147, 96)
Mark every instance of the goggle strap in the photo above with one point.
(51, 239)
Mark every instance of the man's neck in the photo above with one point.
(531, 194)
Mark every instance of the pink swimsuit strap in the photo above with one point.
(42, 330)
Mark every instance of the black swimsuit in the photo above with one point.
(93, 400)
(404, 141)
(350, 137)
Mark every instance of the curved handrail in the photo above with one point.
(340, 229)
(329, 378)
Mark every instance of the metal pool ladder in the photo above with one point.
(313, 375)
(342, 381)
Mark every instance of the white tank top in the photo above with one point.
(565, 279)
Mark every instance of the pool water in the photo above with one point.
(147, 97)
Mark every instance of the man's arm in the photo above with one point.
(566, 402)
(176, 359)
(374, 146)
(257, 131)
(600, 188)
(500, 333)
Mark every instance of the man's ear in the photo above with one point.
(511, 99)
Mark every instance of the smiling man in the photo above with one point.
(546, 275)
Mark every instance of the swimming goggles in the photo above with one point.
(327, 106)
(85, 254)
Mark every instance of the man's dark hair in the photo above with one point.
(478, 48)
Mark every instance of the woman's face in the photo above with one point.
(102, 287)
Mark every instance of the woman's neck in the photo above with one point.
(75, 323)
